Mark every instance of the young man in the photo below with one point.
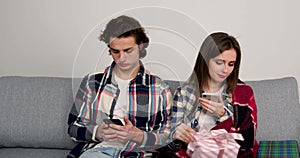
(125, 92)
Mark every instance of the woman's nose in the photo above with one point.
(224, 68)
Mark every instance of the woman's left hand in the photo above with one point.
(215, 108)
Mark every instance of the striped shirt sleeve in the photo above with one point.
(80, 129)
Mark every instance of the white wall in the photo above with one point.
(59, 38)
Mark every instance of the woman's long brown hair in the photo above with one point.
(214, 45)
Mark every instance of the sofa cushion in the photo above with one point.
(32, 153)
(34, 112)
(278, 109)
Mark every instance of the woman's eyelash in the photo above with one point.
(219, 62)
(231, 64)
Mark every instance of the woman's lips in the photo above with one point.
(222, 76)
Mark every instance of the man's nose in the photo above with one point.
(122, 55)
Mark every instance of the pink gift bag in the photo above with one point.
(215, 143)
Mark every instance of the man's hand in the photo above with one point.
(106, 133)
(115, 133)
(128, 132)
(184, 133)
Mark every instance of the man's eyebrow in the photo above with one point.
(113, 49)
(128, 49)
(120, 50)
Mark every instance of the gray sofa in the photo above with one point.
(34, 113)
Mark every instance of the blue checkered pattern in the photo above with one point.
(278, 149)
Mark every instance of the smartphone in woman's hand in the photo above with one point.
(209, 96)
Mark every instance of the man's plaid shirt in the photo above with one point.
(149, 105)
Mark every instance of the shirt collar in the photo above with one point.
(138, 79)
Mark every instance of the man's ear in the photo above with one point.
(141, 46)
(109, 51)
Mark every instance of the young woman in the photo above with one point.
(214, 98)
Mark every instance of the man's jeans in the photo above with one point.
(104, 152)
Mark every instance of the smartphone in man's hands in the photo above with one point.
(114, 121)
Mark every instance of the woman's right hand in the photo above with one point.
(184, 133)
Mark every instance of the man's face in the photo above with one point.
(125, 53)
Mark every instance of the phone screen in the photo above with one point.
(211, 97)
(115, 121)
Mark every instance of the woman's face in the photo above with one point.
(221, 66)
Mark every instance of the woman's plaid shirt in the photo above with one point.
(243, 120)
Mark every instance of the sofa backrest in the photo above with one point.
(278, 107)
(34, 112)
